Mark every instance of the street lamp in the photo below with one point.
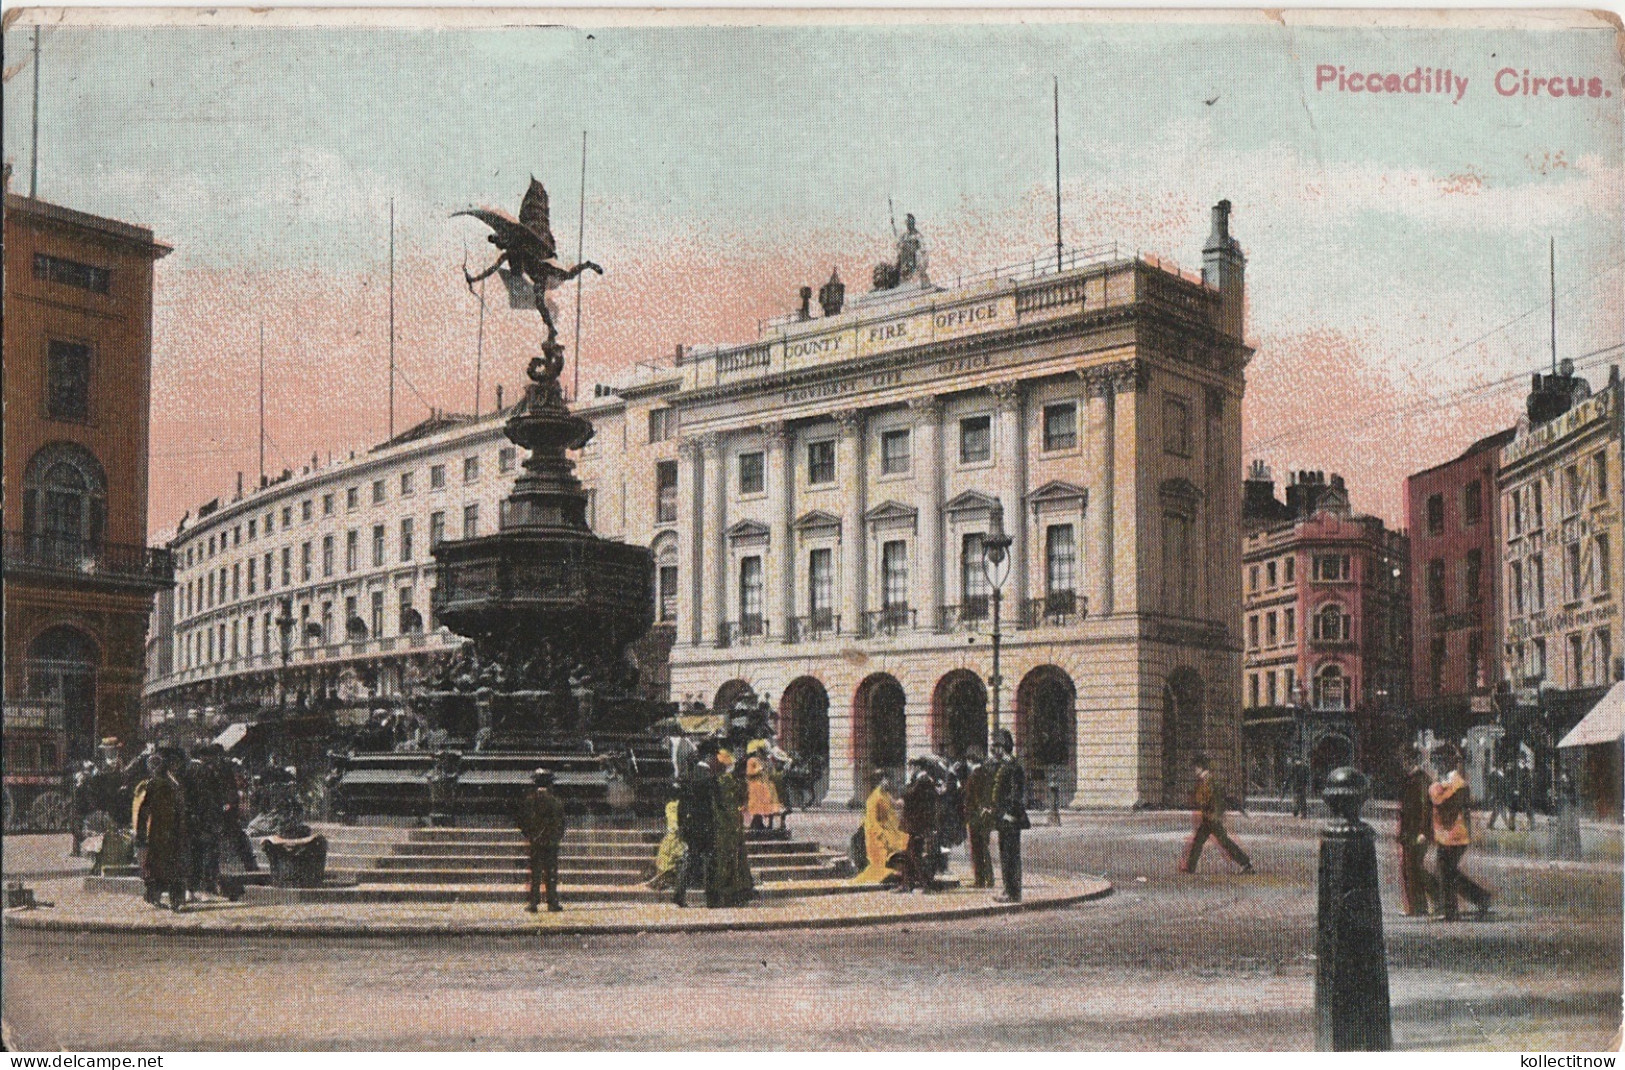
(996, 566)
(284, 625)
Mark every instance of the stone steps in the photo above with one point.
(572, 895)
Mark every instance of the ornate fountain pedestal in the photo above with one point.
(551, 609)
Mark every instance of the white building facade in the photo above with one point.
(816, 502)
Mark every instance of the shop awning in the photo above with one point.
(1604, 724)
(233, 734)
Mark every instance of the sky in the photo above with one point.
(1397, 243)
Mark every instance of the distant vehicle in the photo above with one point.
(38, 788)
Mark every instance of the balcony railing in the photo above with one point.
(808, 629)
(1056, 609)
(744, 632)
(968, 616)
(889, 620)
(91, 560)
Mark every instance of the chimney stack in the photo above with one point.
(1224, 269)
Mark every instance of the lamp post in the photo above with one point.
(996, 567)
(284, 624)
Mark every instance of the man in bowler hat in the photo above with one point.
(540, 816)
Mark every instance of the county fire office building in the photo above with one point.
(816, 502)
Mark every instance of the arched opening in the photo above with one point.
(731, 694)
(1331, 689)
(804, 732)
(64, 500)
(62, 663)
(958, 714)
(879, 728)
(1046, 730)
(1182, 732)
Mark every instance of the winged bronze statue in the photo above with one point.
(527, 249)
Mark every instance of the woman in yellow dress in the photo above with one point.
(883, 835)
(762, 802)
(672, 849)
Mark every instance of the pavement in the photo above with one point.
(1214, 960)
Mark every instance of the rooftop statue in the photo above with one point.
(910, 263)
(528, 259)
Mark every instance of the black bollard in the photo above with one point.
(1351, 962)
(1055, 804)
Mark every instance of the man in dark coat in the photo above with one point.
(979, 819)
(205, 813)
(160, 827)
(1010, 813)
(696, 823)
(1415, 836)
(540, 817)
(920, 822)
(1208, 804)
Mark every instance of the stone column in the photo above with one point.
(1012, 467)
(713, 571)
(1100, 558)
(780, 577)
(690, 542)
(928, 477)
(849, 471)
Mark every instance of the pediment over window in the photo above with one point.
(748, 531)
(1180, 490)
(969, 501)
(818, 521)
(1059, 492)
(890, 512)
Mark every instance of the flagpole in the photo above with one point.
(262, 403)
(479, 349)
(33, 141)
(1057, 81)
(1553, 268)
(581, 239)
(391, 317)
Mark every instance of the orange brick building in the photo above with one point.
(79, 577)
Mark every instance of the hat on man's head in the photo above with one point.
(541, 777)
(1003, 738)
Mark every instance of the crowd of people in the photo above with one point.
(1435, 813)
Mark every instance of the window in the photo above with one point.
(1605, 656)
(1252, 579)
(67, 391)
(377, 545)
(894, 575)
(253, 526)
(1061, 426)
(305, 512)
(1252, 632)
(1176, 427)
(1605, 567)
(1472, 503)
(406, 538)
(1272, 696)
(1537, 659)
(304, 562)
(894, 452)
(1332, 625)
(409, 620)
(1331, 689)
(973, 585)
(821, 461)
(437, 528)
(1540, 513)
(1289, 685)
(327, 556)
(327, 622)
(821, 587)
(237, 535)
(268, 570)
(437, 477)
(975, 440)
(1177, 564)
(1060, 560)
(752, 473)
(506, 456)
(662, 422)
(377, 613)
(211, 545)
(1576, 580)
(1577, 660)
(1289, 625)
(471, 469)
(1474, 578)
(665, 492)
(287, 517)
(354, 626)
(471, 520)
(251, 563)
(1291, 571)
(378, 492)
(327, 510)
(1252, 689)
(750, 596)
(1272, 630)
(72, 273)
(1270, 575)
(1331, 567)
(666, 604)
(1435, 583)
(1600, 477)
(287, 566)
(1436, 514)
(1515, 512)
(1571, 486)
(236, 580)
(352, 550)
(407, 481)
(1537, 583)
